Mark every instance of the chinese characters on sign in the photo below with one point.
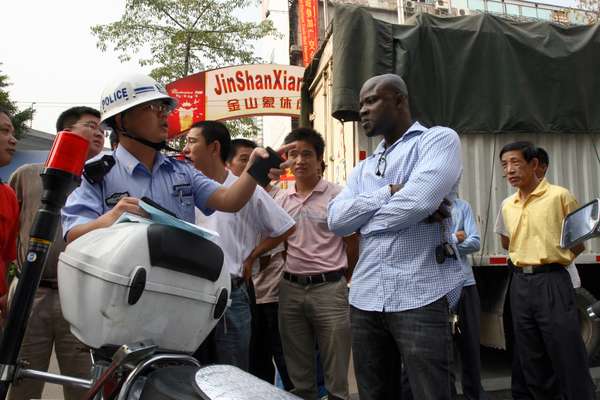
(309, 28)
(249, 90)
(252, 103)
(234, 92)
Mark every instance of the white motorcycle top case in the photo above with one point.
(140, 281)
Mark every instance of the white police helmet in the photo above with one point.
(129, 91)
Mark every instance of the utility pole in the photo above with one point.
(31, 120)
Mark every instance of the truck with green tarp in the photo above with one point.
(493, 81)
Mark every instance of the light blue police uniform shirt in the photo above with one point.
(397, 269)
(174, 184)
(464, 220)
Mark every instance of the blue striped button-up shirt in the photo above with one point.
(464, 220)
(397, 269)
(173, 184)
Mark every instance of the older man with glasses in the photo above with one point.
(407, 264)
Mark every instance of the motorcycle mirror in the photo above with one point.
(581, 225)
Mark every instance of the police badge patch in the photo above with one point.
(114, 198)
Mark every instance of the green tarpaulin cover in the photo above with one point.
(478, 73)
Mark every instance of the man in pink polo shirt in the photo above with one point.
(313, 297)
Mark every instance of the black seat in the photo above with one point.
(182, 251)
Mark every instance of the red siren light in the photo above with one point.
(68, 154)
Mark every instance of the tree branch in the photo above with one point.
(170, 17)
(200, 16)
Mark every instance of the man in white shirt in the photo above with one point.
(239, 155)
(265, 345)
(208, 145)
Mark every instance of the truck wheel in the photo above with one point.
(590, 330)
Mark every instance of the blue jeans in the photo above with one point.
(232, 333)
(418, 338)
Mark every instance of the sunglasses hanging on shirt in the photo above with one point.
(381, 165)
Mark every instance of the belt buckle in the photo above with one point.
(528, 269)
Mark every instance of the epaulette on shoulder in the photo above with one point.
(95, 171)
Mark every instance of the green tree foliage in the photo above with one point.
(184, 37)
(243, 127)
(19, 118)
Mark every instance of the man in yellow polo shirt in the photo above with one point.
(542, 298)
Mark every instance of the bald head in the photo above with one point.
(384, 108)
(391, 82)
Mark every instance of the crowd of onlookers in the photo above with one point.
(378, 268)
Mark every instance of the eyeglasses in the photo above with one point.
(91, 125)
(161, 108)
(381, 165)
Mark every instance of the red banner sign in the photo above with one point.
(309, 28)
(234, 92)
(190, 93)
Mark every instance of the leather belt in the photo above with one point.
(536, 269)
(49, 284)
(304, 280)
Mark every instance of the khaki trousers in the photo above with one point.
(47, 328)
(310, 315)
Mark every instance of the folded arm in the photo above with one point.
(350, 210)
(472, 242)
(434, 176)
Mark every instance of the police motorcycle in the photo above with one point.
(143, 294)
(578, 226)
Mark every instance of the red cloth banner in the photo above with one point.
(190, 92)
(309, 28)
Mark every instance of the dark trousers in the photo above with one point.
(548, 338)
(229, 341)
(467, 343)
(518, 386)
(266, 345)
(421, 337)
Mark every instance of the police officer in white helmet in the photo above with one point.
(136, 107)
